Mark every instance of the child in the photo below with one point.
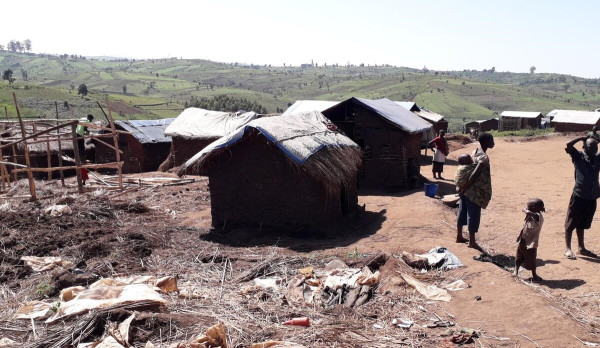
(529, 236)
(464, 170)
(84, 175)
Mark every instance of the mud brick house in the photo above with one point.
(388, 134)
(515, 120)
(143, 150)
(438, 121)
(195, 128)
(280, 171)
(481, 125)
(574, 121)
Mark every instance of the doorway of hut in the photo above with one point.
(344, 200)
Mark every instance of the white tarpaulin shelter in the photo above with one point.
(298, 136)
(301, 106)
(200, 123)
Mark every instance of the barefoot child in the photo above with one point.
(529, 236)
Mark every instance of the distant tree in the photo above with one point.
(19, 46)
(425, 70)
(1, 47)
(532, 69)
(562, 79)
(24, 74)
(493, 69)
(66, 104)
(7, 75)
(82, 89)
(12, 46)
(71, 86)
(124, 88)
(27, 45)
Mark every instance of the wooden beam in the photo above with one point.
(76, 167)
(27, 161)
(77, 159)
(60, 162)
(106, 144)
(112, 125)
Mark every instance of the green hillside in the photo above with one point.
(158, 88)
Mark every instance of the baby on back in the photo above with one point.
(464, 170)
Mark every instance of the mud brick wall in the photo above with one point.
(253, 183)
(572, 127)
(184, 149)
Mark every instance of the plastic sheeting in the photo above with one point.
(298, 136)
(200, 123)
(440, 257)
(430, 292)
(302, 106)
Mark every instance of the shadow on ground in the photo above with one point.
(338, 234)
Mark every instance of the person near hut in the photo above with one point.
(440, 147)
(476, 193)
(464, 170)
(582, 205)
(529, 237)
(84, 175)
(81, 131)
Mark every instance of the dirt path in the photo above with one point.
(508, 308)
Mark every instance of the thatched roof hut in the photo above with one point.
(282, 170)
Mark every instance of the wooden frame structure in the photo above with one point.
(41, 131)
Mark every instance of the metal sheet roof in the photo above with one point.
(578, 117)
(521, 114)
(309, 105)
(394, 113)
(408, 105)
(147, 131)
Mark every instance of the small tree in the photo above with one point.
(493, 69)
(7, 76)
(425, 70)
(532, 69)
(27, 44)
(124, 88)
(83, 90)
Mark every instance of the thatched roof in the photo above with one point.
(309, 141)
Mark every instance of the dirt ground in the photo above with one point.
(166, 231)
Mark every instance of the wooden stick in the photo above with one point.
(6, 113)
(27, 161)
(91, 125)
(77, 159)
(12, 164)
(112, 126)
(60, 163)
(49, 159)
(14, 158)
(106, 144)
(75, 167)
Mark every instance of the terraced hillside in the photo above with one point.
(157, 88)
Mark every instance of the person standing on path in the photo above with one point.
(440, 147)
(586, 191)
(476, 193)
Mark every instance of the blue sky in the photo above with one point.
(554, 36)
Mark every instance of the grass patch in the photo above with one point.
(523, 133)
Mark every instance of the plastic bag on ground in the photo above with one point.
(7, 342)
(39, 264)
(457, 285)
(105, 296)
(33, 310)
(440, 257)
(430, 292)
(58, 210)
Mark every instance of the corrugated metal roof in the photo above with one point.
(309, 105)
(147, 131)
(394, 113)
(408, 105)
(521, 114)
(577, 117)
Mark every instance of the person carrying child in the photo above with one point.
(529, 237)
(464, 170)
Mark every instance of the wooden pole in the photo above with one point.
(6, 113)
(14, 158)
(116, 142)
(27, 137)
(77, 160)
(49, 159)
(60, 163)
(91, 166)
(27, 161)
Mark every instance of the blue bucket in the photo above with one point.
(430, 189)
